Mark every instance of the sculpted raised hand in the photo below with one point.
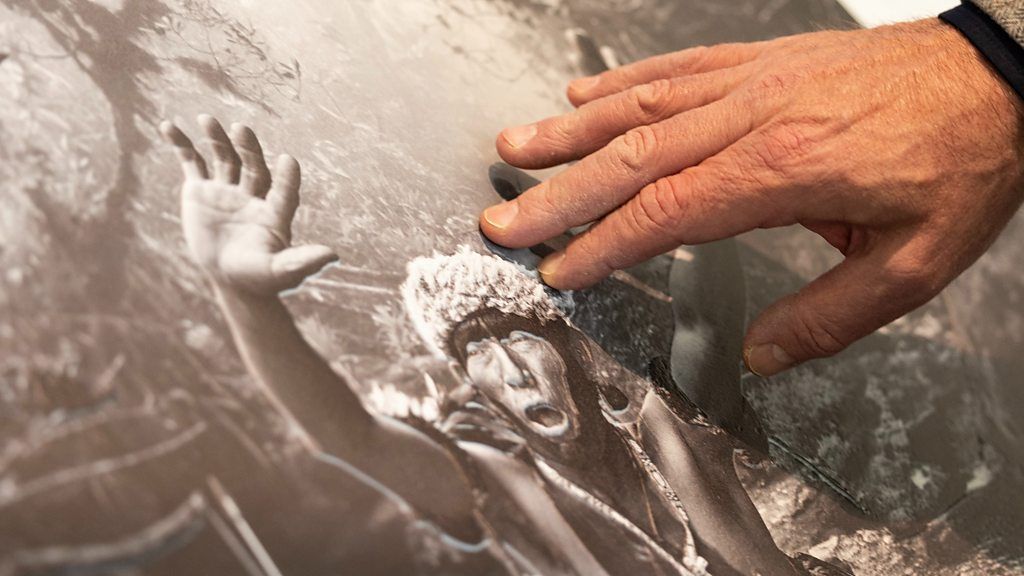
(237, 220)
(899, 146)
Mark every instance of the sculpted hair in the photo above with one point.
(441, 291)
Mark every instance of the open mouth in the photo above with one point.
(546, 415)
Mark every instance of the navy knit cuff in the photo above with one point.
(998, 47)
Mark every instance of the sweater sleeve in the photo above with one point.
(996, 29)
(1008, 14)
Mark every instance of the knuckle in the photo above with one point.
(541, 205)
(667, 202)
(637, 149)
(595, 253)
(561, 133)
(911, 278)
(818, 336)
(780, 147)
(690, 59)
(652, 100)
(772, 85)
(657, 209)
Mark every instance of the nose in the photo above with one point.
(511, 373)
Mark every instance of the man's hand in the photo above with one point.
(238, 223)
(898, 145)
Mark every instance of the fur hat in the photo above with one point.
(440, 291)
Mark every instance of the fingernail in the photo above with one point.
(550, 265)
(502, 215)
(767, 359)
(518, 136)
(584, 84)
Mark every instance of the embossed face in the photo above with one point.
(527, 375)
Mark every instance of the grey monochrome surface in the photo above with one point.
(133, 441)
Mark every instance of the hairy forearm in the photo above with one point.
(275, 352)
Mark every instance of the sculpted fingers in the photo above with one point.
(255, 176)
(226, 162)
(192, 163)
(683, 63)
(284, 193)
(609, 177)
(574, 135)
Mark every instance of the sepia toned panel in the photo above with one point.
(423, 404)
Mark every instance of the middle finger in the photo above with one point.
(226, 163)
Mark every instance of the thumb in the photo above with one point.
(292, 265)
(860, 295)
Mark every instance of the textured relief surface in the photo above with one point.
(132, 440)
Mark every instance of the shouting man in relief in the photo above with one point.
(529, 468)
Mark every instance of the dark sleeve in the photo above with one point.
(992, 38)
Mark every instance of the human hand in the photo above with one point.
(238, 223)
(898, 145)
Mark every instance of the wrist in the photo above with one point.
(992, 41)
(232, 295)
(986, 88)
(243, 286)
